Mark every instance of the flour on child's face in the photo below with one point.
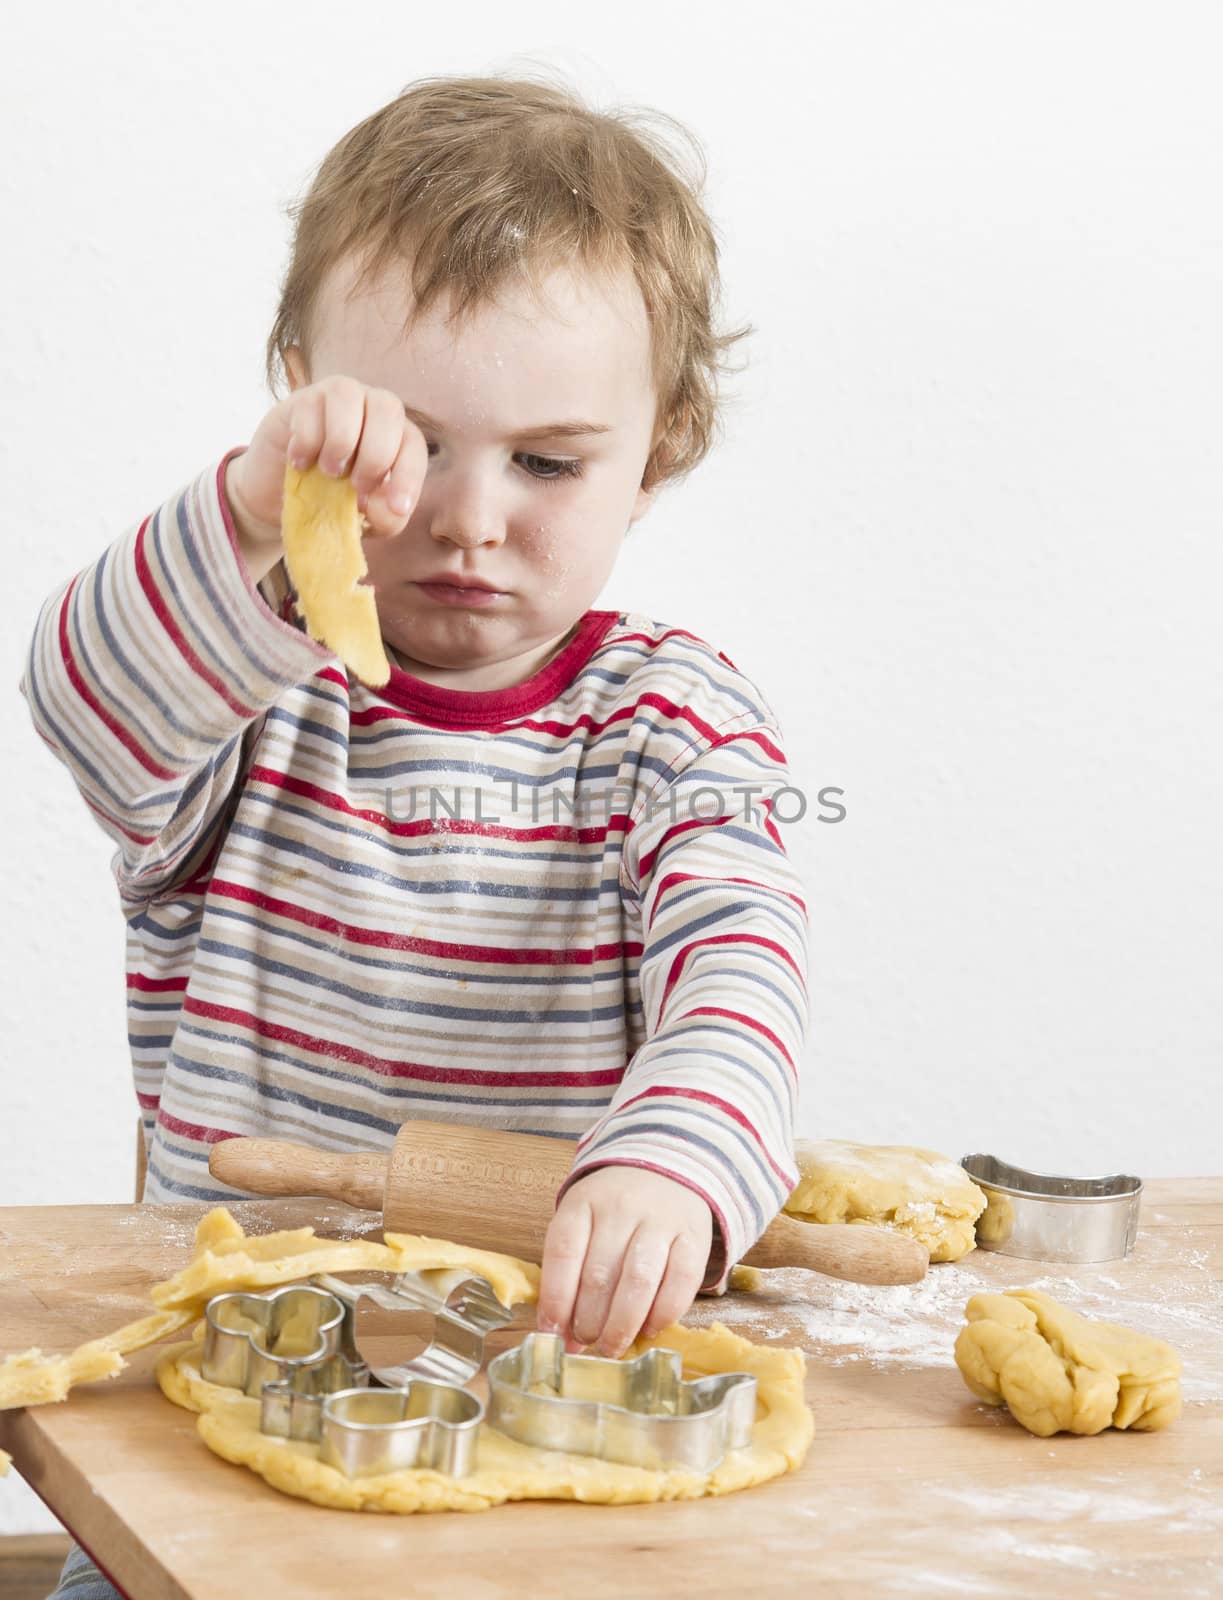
(492, 506)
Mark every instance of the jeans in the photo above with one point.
(81, 1580)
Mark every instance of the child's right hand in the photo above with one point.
(347, 428)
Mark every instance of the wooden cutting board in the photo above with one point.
(911, 1487)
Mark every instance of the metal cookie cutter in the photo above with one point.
(641, 1412)
(1043, 1218)
(279, 1340)
(462, 1305)
(423, 1424)
(295, 1349)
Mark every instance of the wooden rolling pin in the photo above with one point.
(497, 1191)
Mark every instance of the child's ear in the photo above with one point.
(643, 502)
(295, 367)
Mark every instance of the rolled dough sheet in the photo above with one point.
(505, 1469)
(226, 1259)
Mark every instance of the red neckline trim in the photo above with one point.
(474, 708)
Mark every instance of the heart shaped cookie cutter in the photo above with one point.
(1039, 1217)
(643, 1412)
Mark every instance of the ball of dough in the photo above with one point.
(918, 1192)
(1057, 1371)
(745, 1280)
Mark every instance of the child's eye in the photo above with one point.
(563, 468)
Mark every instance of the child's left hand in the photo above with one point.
(626, 1252)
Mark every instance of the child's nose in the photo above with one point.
(464, 512)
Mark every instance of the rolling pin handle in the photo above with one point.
(856, 1252)
(276, 1167)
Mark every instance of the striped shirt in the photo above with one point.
(562, 907)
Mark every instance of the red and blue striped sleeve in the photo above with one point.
(148, 673)
(709, 1098)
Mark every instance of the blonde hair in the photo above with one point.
(480, 181)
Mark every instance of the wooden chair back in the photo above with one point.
(142, 1159)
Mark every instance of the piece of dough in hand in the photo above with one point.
(321, 530)
(915, 1191)
(1057, 1371)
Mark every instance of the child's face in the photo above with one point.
(492, 506)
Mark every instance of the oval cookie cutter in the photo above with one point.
(643, 1412)
(1039, 1217)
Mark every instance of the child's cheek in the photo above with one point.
(378, 557)
(535, 541)
(542, 549)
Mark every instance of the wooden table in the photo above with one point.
(911, 1487)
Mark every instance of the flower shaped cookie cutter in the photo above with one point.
(643, 1412)
(294, 1349)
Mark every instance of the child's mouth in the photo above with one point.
(451, 594)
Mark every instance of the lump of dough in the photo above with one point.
(745, 1280)
(1057, 1371)
(998, 1222)
(917, 1192)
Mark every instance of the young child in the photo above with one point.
(534, 881)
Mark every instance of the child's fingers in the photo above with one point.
(306, 427)
(564, 1253)
(642, 1270)
(681, 1283)
(609, 1239)
(351, 429)
(381, 437)
(392, 499)
(325, 422)
(344, 420)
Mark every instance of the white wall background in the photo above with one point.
(964, 528)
